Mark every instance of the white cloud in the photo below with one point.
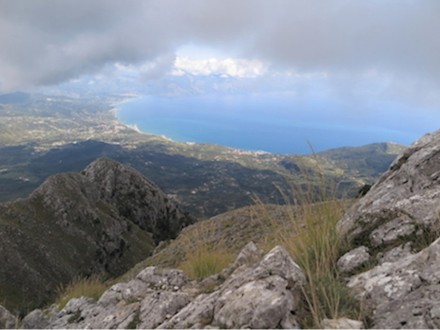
(228, 67)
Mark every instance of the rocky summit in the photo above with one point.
(101, 221)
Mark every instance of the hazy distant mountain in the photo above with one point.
(15, 98)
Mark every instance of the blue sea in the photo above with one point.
(273, 123)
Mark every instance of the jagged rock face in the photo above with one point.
(264, 294)
(260, 297)
(403, 203)
(137, 198)
(68, 227)
(404, 293)
(398, 220)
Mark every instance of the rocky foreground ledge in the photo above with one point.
(259, 292)
(250, 294)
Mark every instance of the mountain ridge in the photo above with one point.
(68, 228)
(218, 185)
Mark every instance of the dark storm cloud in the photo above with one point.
(51, 41)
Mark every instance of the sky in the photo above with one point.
(363, 53)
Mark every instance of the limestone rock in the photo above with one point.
(134, 290)
(160, 306)
(418, 310)
(260, 294)
(404, 203)
(398, 253)
(137, 198)
(247, 256)
(264, 295)
(124, 305)
(163, 279)
(353, 260)
(78, 304)
(398, 219)
(260, 304)
(35, 320)
(394, 290)
(7, 320)
(342, 323)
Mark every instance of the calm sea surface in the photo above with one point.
(277, 124)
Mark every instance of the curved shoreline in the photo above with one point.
(115, 109)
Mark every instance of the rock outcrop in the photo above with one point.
(103, 220)
(7, 320)
(136, 198)
(262, 294)
(398, 220)
(404, 203)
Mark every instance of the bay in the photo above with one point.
(273, 123)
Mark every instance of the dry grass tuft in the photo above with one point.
(92, 287)
(204, 262)
(316, 248)
(205, 253)
(309, 233)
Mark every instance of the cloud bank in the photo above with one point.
(47, 42)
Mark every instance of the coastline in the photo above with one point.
(115, 109)
(234, 125)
